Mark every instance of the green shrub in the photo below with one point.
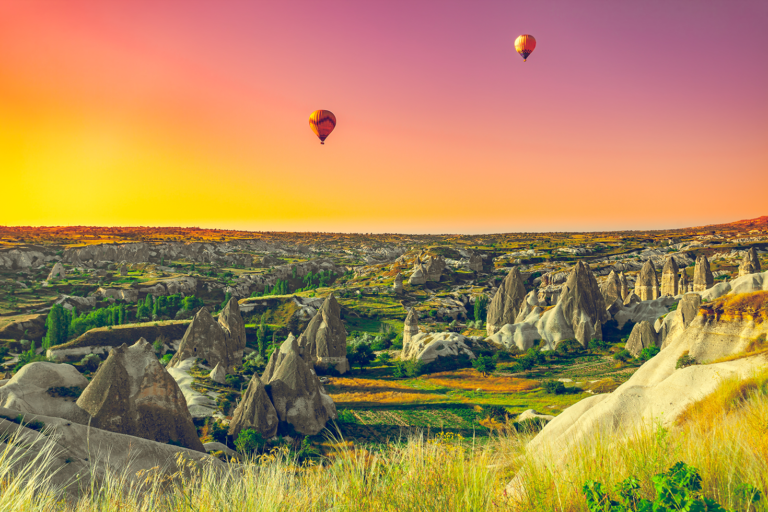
(90, 362)
(30, 356)
(249, 441)
(622, 356)
(166, 359)
(648, 353)
(685, 360)
(485, 364)
(554, 387)
(65, 391)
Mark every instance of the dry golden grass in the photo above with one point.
(607, 385)
(384, 397)
(742, 306)
(471, 380)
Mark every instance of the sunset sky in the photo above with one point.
(628, 115)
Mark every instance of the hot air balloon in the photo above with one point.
(524, 45)
(322, 123)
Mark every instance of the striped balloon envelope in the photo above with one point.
(524, 45)
(322, 123)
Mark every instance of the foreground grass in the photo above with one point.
(725, 437)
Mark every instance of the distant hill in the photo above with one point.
(760, 223)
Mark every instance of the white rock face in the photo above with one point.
(57, 272)
(531, 414)
(218, 374)
(427, 347)
(199, 405)
(28, 392)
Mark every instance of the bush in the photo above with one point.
(249, 441)
(622, 356)
(158, 346)
(554, 387)
(485, 364)
(648, 353)
(408, 368)
(90, 362)
(685, 360)
(234, 381)
(215, 431)
(569, 346)
(166, 359)
(30, 356)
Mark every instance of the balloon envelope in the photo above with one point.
(524, 45)
(322, 123)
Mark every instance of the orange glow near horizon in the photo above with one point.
(195, 114)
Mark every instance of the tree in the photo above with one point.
(360, 355)
(485, 364)
(261, 339)
(481, 306)
(57, 325)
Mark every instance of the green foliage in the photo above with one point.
(408, 368)
(65, 391)
(32, 424)
(191, 302)
(167, 306)
(360, 354)
(249, 441)
(216, 430)
(622, 356)
(481, 308)
(90, 362)
(678, 489)
(234, 381)
(57, 327)
(648, 353)
(102, 317)
(166, 359)
(227, 296)
(158, 346)
(30, 356)
(685, 360)
(569, 346)
(531, 358)
(554, 387)
(485, 364)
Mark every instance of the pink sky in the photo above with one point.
(628, 115)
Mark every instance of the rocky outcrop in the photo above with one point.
(702, 275)
(297, 395)
(419, 275)
(231, 321)
(643, 336)
(750, 264)
(206, 339)
(475, 263)
(427, 347)
(21, 259)
(30, 327)
(624, 286)
(434, 267)
(631, 299)
(507, 301)
(290, 344)
(57, 272)
(326, 338)
(647, 284)
(123, 270)
(411, 327)
(255, 411)
(611, 288)
(218, 374)
(37, 389)
(530, 306)
(133, 394)
(689, 308)
(397, 286)
(682, 284)
(669, 278)
(581, 301)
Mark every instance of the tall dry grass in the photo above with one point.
(727, 442)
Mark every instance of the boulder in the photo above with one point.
(205, 339)
(689, 308)
(419, 275)
(411, 327)
(682, 284)
(507, 301)
(298, 396)
(427, 347)
(475, 263)
(231, 321)
(643, 336)
(133, 394)
(45, 388)
(669, 278)
(750, 264)
(218, 374)
(611, 288)
(57, 272)
(630, 299)
(255, 411)
(702, 275)
(397, 286)
(647, 285)
(434, 268)
(581, 301)
(326, 338)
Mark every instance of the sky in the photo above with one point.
(628, 115)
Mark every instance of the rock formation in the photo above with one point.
(411, 327)
(632, 298)
(278, 355)
(398, 284)
(597, 331)
(419, 275)
(647, 284)
(689, 308)
(611, 288)
(326, 338)
(643, 336)
(133, 394)
(297, 394)
(702, 275)
(475, 263)
(434, 268)
(624, 286)
(29, 391)
(750, 264)
(218, 374)
(57, 272)
(255, 411)
(205, 339)
(426, 347)
(682, 284)
(124, 270)
(233, 325)
(581, 301)
(530, 305)
(506, 304)
(669, 278)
